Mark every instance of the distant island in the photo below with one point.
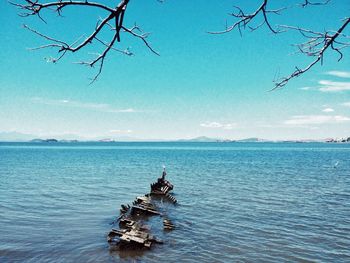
(338, 140)
(208, 139)
(51, 140)
(43, 140)
(72, 138)
(198, 139)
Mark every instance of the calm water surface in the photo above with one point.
(238, 202)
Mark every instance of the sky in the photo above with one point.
(200, 85)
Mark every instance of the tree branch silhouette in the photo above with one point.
(316, 44)
(115, 16)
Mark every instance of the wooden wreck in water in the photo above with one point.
(132, 233)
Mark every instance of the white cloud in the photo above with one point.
(333, 86)
(306, 88)
(83, 105)
(340, 74)
(217, 125)
(346, 104)
(315, 119)
(328, 110)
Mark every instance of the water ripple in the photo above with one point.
(237, 203)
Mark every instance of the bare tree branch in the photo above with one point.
(316, 46)
(115, 16)
(244, 19)
(142, 36)
(308, 2)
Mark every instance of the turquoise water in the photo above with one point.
(238, 202)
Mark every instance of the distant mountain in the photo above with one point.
(15, 137)
(347, 140)
(200, 139)
(37, 140)
(115, 139)
(68, 138)
(71, 138)
(47, 140)
(208, 139)
(252, 140)
(68, 141)
(23, 137)
(106, 140)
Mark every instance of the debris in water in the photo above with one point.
(132, 233)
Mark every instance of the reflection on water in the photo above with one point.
(237, 201)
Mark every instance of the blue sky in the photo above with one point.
(201, 85)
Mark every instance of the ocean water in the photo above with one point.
(238, 202)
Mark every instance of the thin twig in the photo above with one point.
(115, 15)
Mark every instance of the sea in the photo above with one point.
(237, 202)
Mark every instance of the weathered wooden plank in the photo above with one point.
(142, 209)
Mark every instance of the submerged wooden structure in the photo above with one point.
(132, 233)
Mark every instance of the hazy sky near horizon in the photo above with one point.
(200, 85)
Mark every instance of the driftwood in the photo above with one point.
(167, 224)
(132, 237)
(141, 209)
(132, 233)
